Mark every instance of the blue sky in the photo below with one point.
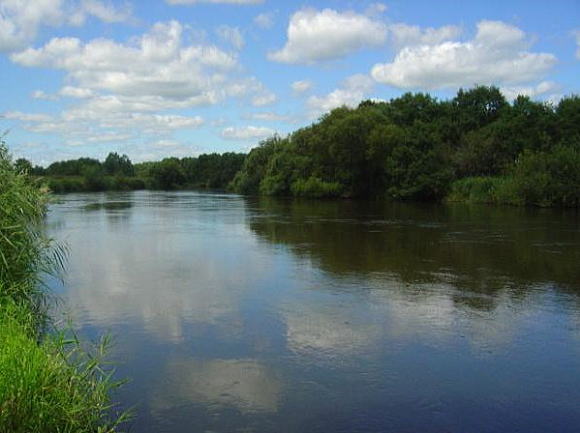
(155, 78)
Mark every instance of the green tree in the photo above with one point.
(168, 174)
(116, 164)
(22, 165)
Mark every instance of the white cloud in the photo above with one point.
(41, 94)
(264, 20)
(231, 35)
(351, 92)
(109, 137)
(497, 55)
(157, 66)
(106, 12)
(376, 9)
(20, 20)
(323, 35)
(301, 86)
(543, 88)
(75, 92)
(577, 35)
(165, 143)
(233, 2)
(26, 117)
(269, 116)
(404, 35)
(246, 132)
(264, 99)
(123, 87)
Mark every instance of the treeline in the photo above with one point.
(214, 171)
(475, 147)
(117, 172)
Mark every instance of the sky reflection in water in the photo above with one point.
(235, 314)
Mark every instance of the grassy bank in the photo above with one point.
(544, 179)
(47, 382)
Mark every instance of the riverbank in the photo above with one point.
(48, 382)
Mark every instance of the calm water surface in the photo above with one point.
(237, 314)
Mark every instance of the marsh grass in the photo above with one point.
(50, 381)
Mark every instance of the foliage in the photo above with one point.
(417, 148)
(116, 165)
(316, 188)
(47, 383)
(53, 386)
(118, 173)
(167, 174)
(549, 178)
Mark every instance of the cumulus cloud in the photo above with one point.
(157, 66)
(404, 35)
(75, 92)
(498, 54)
(84, 124)
(26, 117)
(542, 88)
(247, 133)
(106, 12)
(376, 9)
(351, 92)
(123, 87)
(328, 34)
(41, 94)
(231, 35)
(269, 116)
(264, 99)
(264, 20)
(301, 86)
(20, 20)
(157, 71)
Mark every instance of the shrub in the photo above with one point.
(316, 188)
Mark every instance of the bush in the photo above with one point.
(316, 188)
(62, 185)
(549, 178)
(488, 190)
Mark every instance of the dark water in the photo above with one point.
(255, 315)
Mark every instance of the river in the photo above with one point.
(235, 314)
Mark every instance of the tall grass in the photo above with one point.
(48, 382)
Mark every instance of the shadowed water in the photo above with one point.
(237, 314)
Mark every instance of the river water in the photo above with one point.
(235, 314)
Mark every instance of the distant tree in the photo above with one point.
(168, 173)
(568, 115)
(23, 166)
(118, 165)
(477, 107)
(73, 167)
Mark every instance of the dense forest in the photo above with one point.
(476, 147)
